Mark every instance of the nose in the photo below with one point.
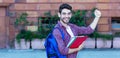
(66, 15)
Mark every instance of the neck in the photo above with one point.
(64, 24)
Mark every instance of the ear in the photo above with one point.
(58, 14)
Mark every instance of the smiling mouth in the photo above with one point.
(67, 18)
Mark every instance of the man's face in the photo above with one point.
(65, 15)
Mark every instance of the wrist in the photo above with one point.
(77, 49)
(97, 17)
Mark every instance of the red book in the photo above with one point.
(76, 41)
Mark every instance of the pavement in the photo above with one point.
(85, 53)
(22, 53)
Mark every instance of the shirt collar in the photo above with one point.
(59, 23)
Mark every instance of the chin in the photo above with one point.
(66, 22)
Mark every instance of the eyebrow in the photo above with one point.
(67, 13)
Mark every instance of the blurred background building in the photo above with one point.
(10, 9)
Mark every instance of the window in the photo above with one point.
(115, 21)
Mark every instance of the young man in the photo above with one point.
(71, 30)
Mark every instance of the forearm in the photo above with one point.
(75, 49)
(72, 50)
(94, 23)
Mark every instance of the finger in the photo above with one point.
(97, 11)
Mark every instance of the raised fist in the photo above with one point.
(97, 13)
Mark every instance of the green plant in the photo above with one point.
(78, 17)
(46, 23)
(21, 21)
(24, 34)
(36, 35)
(103, 36)
(28, 35)
(117, 34)
(20, 35)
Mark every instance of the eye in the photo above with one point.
(64, 13)
(69, 13)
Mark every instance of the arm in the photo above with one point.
(76, 49)
(61, 45)
(83, 30)
(97, 16)
(91, 27)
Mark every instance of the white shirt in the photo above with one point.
(68, 29)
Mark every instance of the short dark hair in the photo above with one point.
(64, 6)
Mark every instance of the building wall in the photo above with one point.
(4, 23)
(36, 8)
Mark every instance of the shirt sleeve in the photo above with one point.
(84, 30)
(61, 45)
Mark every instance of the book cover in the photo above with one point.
(76, 41)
